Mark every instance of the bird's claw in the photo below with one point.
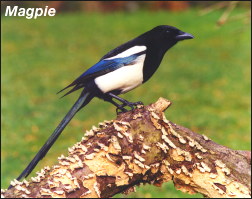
(132, 105)
(138, 103)
(120, 109)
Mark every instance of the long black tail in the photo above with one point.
(83, 100)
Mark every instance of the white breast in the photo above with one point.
(125, 78)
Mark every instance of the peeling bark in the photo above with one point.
(141, 146)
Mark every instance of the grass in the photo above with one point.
(207, 79)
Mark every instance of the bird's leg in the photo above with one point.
(124, 103)
(119, 108)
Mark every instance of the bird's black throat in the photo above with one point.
(154, 56)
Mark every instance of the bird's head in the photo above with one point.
(170, 33)
(166, 36)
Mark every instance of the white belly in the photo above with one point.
(125, 78)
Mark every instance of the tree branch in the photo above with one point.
(141, 146)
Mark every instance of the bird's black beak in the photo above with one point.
(183, 36)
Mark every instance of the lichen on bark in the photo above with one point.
(141, 146)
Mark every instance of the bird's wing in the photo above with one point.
(102, 67)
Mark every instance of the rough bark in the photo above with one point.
(141, 146)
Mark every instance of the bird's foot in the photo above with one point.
(138, 103)
(120, 109)
(132, 105)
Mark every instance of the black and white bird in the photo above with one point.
(119, 71)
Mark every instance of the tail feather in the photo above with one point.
(83, 100)
(70, 85)
(78, 86)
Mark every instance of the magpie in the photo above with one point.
(119, 71)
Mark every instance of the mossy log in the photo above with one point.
(141, 146)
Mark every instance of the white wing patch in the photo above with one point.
(125, 78)
(129, 52)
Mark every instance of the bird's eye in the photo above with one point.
(167, 31)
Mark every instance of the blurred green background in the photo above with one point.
(208, 79)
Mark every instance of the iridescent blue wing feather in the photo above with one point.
(101, 68)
